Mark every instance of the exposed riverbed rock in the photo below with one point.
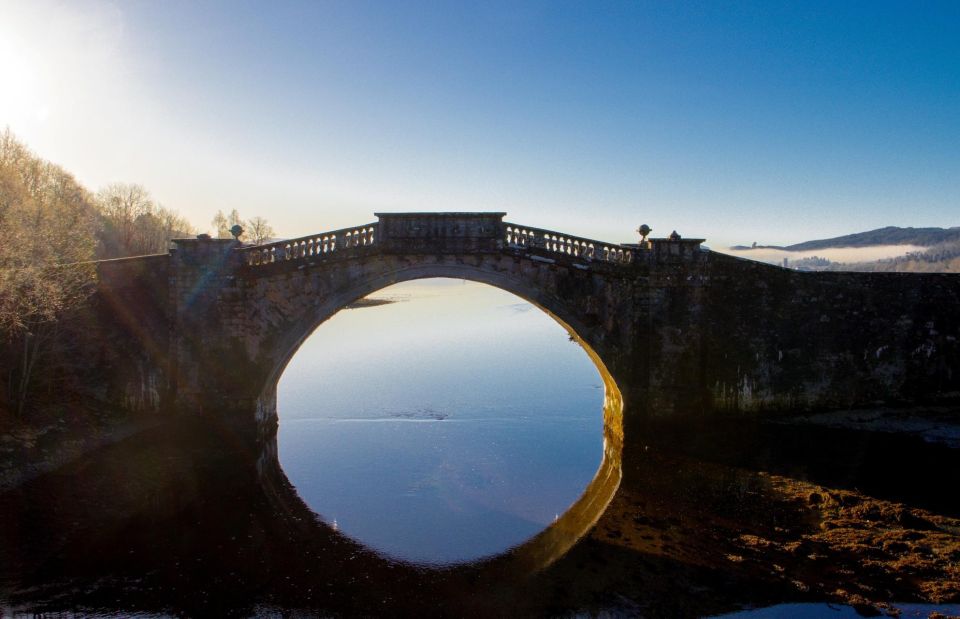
(821, 542)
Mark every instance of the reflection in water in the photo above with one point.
(180, 522)
(450, 425)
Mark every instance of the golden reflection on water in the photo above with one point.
(553, 542)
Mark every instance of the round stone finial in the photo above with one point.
(236, 231)
(644, 230)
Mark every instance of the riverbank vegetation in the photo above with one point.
(52, 228)
(48, 225)
(940, 258)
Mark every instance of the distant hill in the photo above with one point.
(938, 251)
(891, 235)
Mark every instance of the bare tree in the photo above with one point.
(258, 231)
(233, 219)
(221, 226)
(133, 224)
(121, 205)
(255, 230)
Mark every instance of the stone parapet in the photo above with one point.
(441, 232)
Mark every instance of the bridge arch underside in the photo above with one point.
(321, 298)
(312, 298)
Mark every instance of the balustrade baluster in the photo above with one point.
(365, 236)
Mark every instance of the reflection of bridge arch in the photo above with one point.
(533, 555)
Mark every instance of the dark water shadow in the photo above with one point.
(170, 521)
(185, 521)
(885, 465)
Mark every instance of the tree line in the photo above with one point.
(255, 230)
(940, 258)
(51, 229)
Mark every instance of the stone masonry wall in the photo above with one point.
(775, 339)
(682, 331)
(124, 333)
(263, 317)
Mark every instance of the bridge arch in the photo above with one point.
(544, 548)
(317, 299)
(291, 335)
(241, 313)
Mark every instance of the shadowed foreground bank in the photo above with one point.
(706, 520)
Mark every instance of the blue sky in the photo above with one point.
(738, 122)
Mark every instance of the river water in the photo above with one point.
(450, 423)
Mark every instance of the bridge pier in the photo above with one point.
(210, 370)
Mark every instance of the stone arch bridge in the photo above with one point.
(674, 328)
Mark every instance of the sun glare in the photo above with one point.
(22, 101)
(57, 63)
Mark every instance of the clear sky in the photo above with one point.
(738, 122)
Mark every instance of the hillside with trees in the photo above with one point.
(131, 223)
(890, 235)
(52, 228)
(941, 258)
(941, 253)
(48, 235)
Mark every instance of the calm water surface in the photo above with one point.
(451, 424)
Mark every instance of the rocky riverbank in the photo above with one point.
(802, 540)
(857, 507)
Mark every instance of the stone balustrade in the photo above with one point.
(514, 237)
(313, 246)
(519, 237)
